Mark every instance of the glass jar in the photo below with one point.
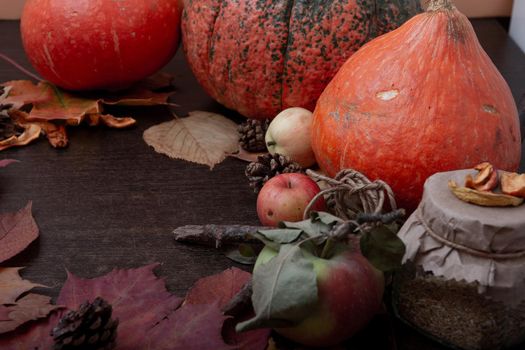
(463, 278)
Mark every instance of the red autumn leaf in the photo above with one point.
(17, 231)
(29, 307)
(192, 327)
(138, 297)
(221, 288)
(35, 337)
(6, 162)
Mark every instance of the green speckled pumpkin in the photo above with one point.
(259, 57)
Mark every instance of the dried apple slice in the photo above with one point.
(485, 180)
(483, 198)
(513, 184)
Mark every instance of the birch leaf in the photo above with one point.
(203, 138)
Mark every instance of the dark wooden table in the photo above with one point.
(109, 201)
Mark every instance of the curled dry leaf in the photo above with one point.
(483, 198)
(31, 133)
(50, 108)
(513, 184)
(202, 137)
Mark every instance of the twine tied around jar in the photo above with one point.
(350, 193)
(463, 248)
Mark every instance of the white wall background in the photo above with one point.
(517, 24)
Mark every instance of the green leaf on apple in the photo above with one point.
(275, 238)
(383, 248)
(284, 288)
(318, 225)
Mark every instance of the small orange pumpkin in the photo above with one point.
(421, 99)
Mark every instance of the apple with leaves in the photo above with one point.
(315, 285)
(285, 197)
(289, 134)
(350, 292)
(99, 44)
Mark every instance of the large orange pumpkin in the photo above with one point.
(260, 57)
(421, 99)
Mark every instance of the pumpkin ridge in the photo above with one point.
(211, 48)
(285, 53)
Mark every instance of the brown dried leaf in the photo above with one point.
(513, 184)
(483, 198)
(29, 307)
(12, 285)
(17, 231)
(203, 138)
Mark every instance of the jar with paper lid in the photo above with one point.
(463, 276)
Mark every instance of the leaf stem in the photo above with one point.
(327, 248)
(19, 67)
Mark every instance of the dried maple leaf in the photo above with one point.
(17, 231)
(202, 137)
(27, 308)
(49, 104)
(12, 285)
(221, 288)
(192, 327)
(138, 297)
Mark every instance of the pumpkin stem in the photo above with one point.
(435, 5)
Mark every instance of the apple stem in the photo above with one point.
(327, 248)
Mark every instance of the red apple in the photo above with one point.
(350, 292)
(99, 44)
(285, 197)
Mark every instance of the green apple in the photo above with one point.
(350, 292)
(289, 135)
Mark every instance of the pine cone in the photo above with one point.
(89, 328)
(268, 166)
(251, 135)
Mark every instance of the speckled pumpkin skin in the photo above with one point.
(260, 57)
(421, 99)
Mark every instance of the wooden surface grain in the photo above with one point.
(109, 201)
